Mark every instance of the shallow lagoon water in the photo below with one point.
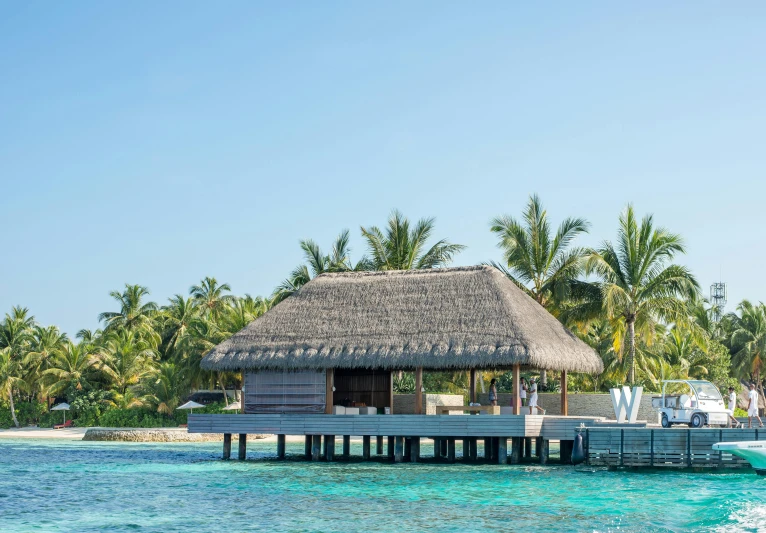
(65, 486)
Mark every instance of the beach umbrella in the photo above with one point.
(191, 406)
(234, 406)
(61, 407)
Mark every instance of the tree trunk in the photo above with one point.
(631, 323)
(225, 398)
(481, 382)
(13, 409)
(544, 379)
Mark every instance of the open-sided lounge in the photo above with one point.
(339, 339)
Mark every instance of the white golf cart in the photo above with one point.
(688, 401)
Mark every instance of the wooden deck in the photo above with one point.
(664, 448)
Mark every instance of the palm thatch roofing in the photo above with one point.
(439, 319)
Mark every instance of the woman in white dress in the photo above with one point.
(732, 406)
(523, 392)
(752, 407)
(533, 398)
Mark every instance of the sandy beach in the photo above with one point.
(43, 433)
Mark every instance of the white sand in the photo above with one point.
(43, 433)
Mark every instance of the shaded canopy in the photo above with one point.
(446, 318)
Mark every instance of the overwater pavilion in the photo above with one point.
(343, 336)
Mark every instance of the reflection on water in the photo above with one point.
(86, 486)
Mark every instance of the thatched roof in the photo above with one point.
(447, 318)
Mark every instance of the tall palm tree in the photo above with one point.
(748, 342)
(15, 339)
(9, 380)
(71, 366)
(638, 286)
(402, 248)
(45, 343)
(179, 315)
(210, 295)
(165, 389)
(316, 263)
(127, 359)
(134, 315)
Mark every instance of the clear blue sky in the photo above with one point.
(160, 142)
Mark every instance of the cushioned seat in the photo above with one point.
(352, 410)
(368, 410)
(338, 410)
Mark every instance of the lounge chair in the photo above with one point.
(67, 424)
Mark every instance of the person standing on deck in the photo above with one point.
(752, 407)
(732, 406)
(493, 392)
(533, 398)
(523, 392)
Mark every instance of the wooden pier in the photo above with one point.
(506, 438)
(664, 448)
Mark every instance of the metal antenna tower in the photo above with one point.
(718, 299)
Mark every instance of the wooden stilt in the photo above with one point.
(391, 446)
(437, 448)
(407, 448)
(515, 450)
(443, 447)
(565, 447)
(450, 450)
(227, 446)
(280, 446)
(316, 447)
(473, 444)
(398, 449)
(307, 447)
(347, 445)
(415, 449)
(242, 446)
(502, 450)
(379, 445)
(544, 451)
(365, 446)
(466, 448)
(538, 446)
(487, 449)
(528, 448)
(329, 447)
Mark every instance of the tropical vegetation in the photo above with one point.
(630, 300)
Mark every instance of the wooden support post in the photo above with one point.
(227, 446)
(398, 449)
(473, 444)
(379, 445)
(538, 446)
(502, 450)
(450, 450)
(347, 445)
(419, 390)
(242, 446)
(365, 446)
(437, 447)
(564, 399)
(516, 389)
(544, 451)
(443, 447)
(516, 450)
(316, 447)
(280, 446)
(528, 448)
(466, 448)
(407, 448)
(329, 384)
(473, 385)
(307, 447)
(523, 447)
(391, 392)
(565, 453)
(415, 449)
(391, 446)
(329, 447)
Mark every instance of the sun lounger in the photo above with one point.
(67, 424)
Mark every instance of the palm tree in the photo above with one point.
(71, 366)
(402, 248)
(209, 294)
(317, 262)
(9, 380)
(748, 341)
(127, 359)
(164, 391)
(134, 314)
(44, 345)
(179, 316)
(638, 286)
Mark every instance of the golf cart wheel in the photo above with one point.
(665, 422)
(697, 421)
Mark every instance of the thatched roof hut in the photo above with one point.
(450, 318)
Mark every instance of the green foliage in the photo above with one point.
(404, 383)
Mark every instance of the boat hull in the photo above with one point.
(754, 452)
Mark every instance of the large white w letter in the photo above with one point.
(626, 403)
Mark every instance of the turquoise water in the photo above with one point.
(84, 487)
